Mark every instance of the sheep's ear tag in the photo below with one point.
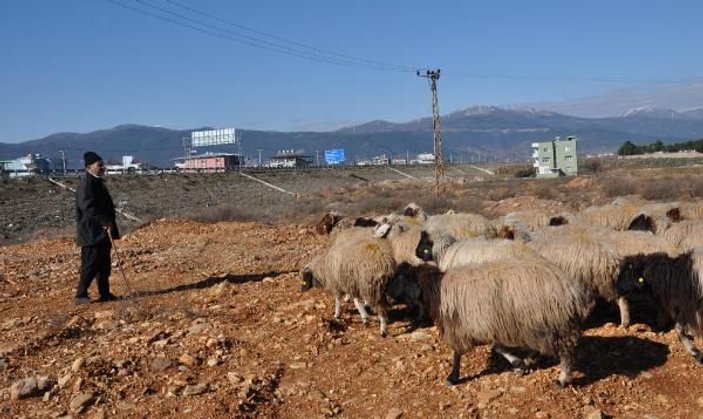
(426, 251)
(640, 280)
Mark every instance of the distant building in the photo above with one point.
(209, 162)
(32, 164)
(424, 158)
(289, 158)
(128, 166)
(555, 158)
(382, 160)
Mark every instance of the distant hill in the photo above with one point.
(485, 131)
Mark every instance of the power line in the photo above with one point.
(179, 19)
(298, 44)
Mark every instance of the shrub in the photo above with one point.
(618, 186)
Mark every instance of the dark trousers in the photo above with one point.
(95, 263)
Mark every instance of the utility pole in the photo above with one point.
(433, 76)
(63, 161)
(259, 150)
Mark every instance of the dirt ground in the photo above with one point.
(218, 328)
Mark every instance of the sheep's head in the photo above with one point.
(558, 221)
(634, 274)
(307, 279)
(424, 247)
(642, 222)
(365, 222)
(327, 223)
(674, 215)
(412, 210)
(402, 287)
(506, 232)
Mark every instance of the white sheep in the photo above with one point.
(526, 303)
(358, 267)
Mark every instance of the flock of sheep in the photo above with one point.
(525, 281)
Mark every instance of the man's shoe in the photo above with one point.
(109, 297)
(82, 300)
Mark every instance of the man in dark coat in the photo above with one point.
(95, 219)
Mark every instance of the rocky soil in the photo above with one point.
(215, 326)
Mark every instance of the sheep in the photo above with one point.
(655, 218)
(617, 215)
(460, 225)
(359, 267)
(334, 221)
(590, 261)
(686, 235)
(532, 220)
(691, 210)
(676, 283)
(447, 252)
(412, 210)
(403, 239)
(593, 255)
(628, 243)
(527, 303)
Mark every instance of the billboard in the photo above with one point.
(335, 156)
(213, 137)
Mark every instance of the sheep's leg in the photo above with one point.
(453, 377)
(662, 321)
(516, 362)
(566, 362)
(337, 306)
(624, 312)
(383, 319)
(687, 341)
(362, 311)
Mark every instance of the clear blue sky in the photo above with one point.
(81, 65)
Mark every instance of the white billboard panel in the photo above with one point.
(213, 137)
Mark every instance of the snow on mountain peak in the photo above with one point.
(648, 111)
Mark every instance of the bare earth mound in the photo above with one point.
(220, 329)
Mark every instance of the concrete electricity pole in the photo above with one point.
(259, 150)
(433, 76)
(63, 161)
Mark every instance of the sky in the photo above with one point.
(83, 65)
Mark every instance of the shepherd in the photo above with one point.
(95, 226)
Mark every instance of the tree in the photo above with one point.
(628, 149)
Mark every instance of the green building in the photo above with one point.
(556, 158)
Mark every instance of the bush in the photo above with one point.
(526, 173)
(618, 186)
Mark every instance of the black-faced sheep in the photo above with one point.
(358, 267)
(676, 284)
(528, 303)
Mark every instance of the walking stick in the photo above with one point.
(119, 263)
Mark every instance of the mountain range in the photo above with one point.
(478, 132)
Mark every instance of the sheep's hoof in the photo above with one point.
(451, 380)
(625, 326)
(383, 334)
(519, 366)
(699, 358)
(560, 385)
